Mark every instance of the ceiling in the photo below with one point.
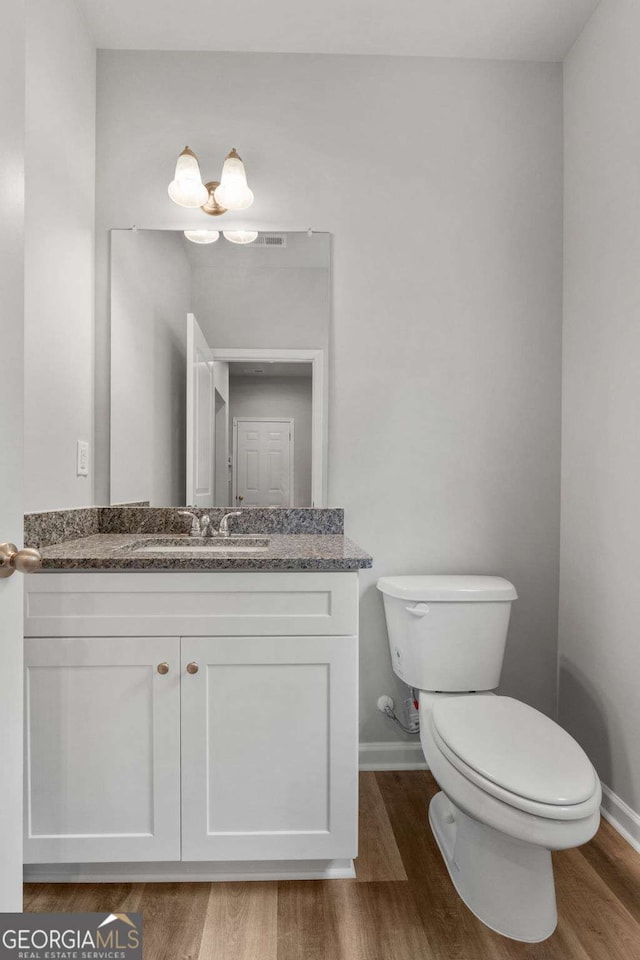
(485, 29)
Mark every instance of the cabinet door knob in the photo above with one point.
(192, 667)
(11, 559)
(163, 668)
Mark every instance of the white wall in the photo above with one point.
(59, 253)
(280, 397)
(600, 571)
(441, 181)
(150, 299)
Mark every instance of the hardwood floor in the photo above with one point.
(401, 906)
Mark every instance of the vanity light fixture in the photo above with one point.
(202, 236)
(240, 236)
(231, 192)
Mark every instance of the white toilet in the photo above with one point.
(514, 785)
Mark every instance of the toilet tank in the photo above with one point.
(447, 633)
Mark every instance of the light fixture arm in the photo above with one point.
(212, 207)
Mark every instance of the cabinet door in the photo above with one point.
(102, 749)
(269, 748)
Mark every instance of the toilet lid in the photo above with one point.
(516, 747)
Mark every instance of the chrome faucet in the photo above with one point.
(195, 522)
(223, 530)
(200, 526)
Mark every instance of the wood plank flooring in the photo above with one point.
(401, 906)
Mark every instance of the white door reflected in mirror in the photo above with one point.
(201, 404)
(263, 459)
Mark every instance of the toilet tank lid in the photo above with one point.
(454, 589)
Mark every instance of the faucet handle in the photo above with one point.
(195, 522)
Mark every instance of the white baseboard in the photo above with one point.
(188, 872)
(621, 817)
(398, 755)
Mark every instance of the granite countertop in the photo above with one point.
(115, 551)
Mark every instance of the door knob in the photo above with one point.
(163, 668)
(192, 667)
(11, 559)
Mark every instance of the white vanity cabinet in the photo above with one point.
(243, 747)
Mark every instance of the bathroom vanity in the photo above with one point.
(192, 716)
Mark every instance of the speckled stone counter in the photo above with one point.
(111, 551)
(55, 526)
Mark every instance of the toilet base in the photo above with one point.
(508, 884)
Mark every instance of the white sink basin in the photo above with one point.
(201, 545)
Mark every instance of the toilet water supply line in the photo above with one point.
(387, 707)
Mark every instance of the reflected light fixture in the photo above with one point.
(240, 236)
(215, 197)
(202, 236)
(187, 189)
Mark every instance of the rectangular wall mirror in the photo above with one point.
(219, 377)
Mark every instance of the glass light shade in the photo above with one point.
(187, 189)
(240, 236)
(202, 236)
(233, 192)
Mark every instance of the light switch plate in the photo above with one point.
(82, 459)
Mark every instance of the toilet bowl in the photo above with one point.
(514, 785)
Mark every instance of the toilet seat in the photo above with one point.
(516, 754)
